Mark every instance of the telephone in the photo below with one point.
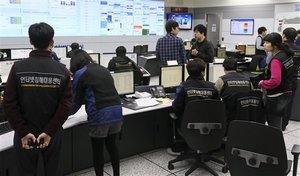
(158, 91)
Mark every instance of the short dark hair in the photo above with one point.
(74, 46)
(121, 51)
(79, 59)
(41, 34)
(262, 29)
(298, 31)
(200, 28)
(171, 24)
(195, 67)
(290, 33)
(230, 63)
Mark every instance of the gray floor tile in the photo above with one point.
(203, 172)
(293, 125)
(161, 158)
(295, 133)
(139, 166)
(290, 141)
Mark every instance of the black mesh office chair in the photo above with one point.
(256, 149)
(202, 128)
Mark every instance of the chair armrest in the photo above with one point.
(295, 152)
(173, 116)
(296, 149)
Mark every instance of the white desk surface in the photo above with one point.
(6, 140)
(221, 60)
(4, 78)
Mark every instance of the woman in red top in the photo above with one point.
(278, 79)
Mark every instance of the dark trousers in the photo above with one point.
(98, 154)
(28, 160)
(287, 116)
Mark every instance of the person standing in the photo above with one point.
(170, 47)
(37, 101)
(288, 36)
(94, 85)
(202, 48)
(259, 44)
(279, 74)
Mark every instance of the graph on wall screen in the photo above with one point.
(241, 26)
(83, 17)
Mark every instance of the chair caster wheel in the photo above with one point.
(170, 166)
(225, 169)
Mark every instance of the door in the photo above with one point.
(213, 28)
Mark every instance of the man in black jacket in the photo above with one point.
(231, 85)
(37, 101)
(194, 88)
(202, 48)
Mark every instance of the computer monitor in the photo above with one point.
(137, 49)
(186, 74)
(250, 50)
(95, 57)
(61, 52)
(171, 76)
(132, 56)
(144, 50)
(105, 58)
(5, 54)
(20, 53)
(124, 82)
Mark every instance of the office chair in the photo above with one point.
(249, 106)
(256, 149)
(202, 128)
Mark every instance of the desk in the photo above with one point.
(143, 130)
(216, 69)
(150, 63)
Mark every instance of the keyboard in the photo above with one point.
(5, 127)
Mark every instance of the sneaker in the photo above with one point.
(170, 152)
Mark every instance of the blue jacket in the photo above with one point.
(94, 86)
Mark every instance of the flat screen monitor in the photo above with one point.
(241, 26)
(183, 19)
(66, 61)
(95, 57)
(124, 82)
(132, 56)
(61, 52)
(186, 74)
(144, 50)
(5, 54)
(137, 49)
(171, 76)
(105, 58)
(250, 50)
(20, 53)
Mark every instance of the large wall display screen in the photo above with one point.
(83, 17)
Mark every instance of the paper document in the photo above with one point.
(145, 102)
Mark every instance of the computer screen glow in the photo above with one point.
(124, 82)
(171, 76)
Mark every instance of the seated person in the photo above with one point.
(74, 46)
(231, 85)
(194, 88)
(122, 62)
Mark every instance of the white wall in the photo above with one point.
(231, 40)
